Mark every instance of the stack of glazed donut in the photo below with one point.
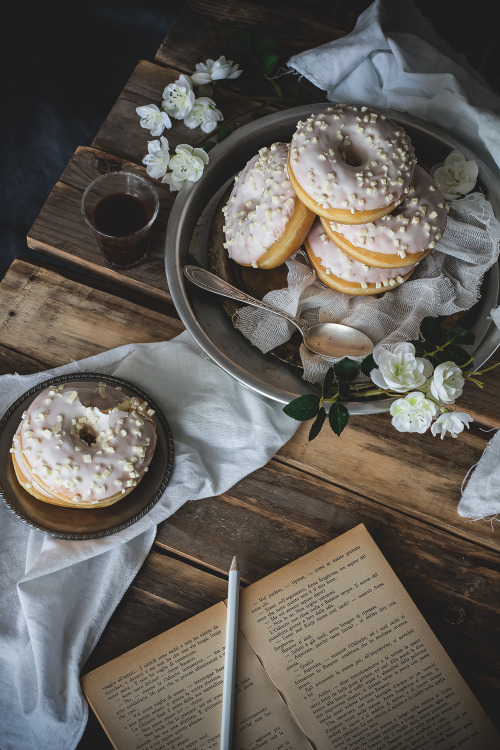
(83, 445)
(349, 188)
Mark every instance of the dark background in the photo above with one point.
(65, 64)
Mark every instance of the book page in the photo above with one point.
(353, 657)
(167, 694)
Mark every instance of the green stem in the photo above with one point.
(481, 372)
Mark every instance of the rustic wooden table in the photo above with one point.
(66, 304)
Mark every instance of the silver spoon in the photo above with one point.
(328, 339)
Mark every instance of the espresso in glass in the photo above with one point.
(121, 207)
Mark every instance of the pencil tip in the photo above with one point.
(234, 564)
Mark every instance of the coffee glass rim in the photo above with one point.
(139, 177)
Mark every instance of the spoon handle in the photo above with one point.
(212, 283)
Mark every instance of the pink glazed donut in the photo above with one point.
(265, 222)
(403, 237)
(83, 444)
(338, 271)
(350, 164)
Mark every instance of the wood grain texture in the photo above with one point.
(122, 135)
(415, 474)
(59, 230)
(419, 475)
(277, 514)
(73, 321)
(214, 23)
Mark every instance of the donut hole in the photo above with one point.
(351, 156)
(88, 435)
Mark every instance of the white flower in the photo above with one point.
(178, 98)
(153, 119)
(456, 176)
(187, 164)
(447, 383)
(451, 421)
(398, 369)
(203, 114)
(413, 413)
(215, 70)
(157, 159)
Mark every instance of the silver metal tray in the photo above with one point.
(187, 238)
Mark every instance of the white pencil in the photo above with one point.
(233, 595)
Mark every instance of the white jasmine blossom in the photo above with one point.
(178, 98)
(398, 368)
(452, 422)
(215, 70)
(203, 114)
(447, 383)
(187, 164)
(157, 158)
(413, 413)
(456, 176)
(153, 119)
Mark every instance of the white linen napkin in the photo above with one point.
(56, 596)
(393, 58)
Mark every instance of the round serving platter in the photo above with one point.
(189, 236)
(84, 523)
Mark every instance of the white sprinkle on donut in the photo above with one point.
(260, 206)
(371, 156)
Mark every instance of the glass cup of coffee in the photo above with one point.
(120, 208)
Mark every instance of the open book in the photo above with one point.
(332, 655)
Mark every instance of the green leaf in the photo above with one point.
(317, 424)
(338, 417)
(241, 41)
(452, 353)
(430, 329)
(344, 390)
(328, 382)
(367, 365)
(346, 369)
(420, 348)
(459, 335)
(223, 132)
(265, 45)
(269, 63)
(208, 146)
(303, 408)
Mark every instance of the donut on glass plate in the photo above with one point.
(403, 237)
(350, 164)
(337, 270)
(83, 445)
(264, 221)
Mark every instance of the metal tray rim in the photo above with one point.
(187, 209)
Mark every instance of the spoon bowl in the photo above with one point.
(333, 340)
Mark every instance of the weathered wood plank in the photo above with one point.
(59, 230)
(73, 321)
(204, 29)
(278, 514)
(416, 474)
(12, 361)
(122, 135)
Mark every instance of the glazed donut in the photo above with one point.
(338, 271)
(265, 223)
(83, 445)
(401, 238)
(350, 164)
